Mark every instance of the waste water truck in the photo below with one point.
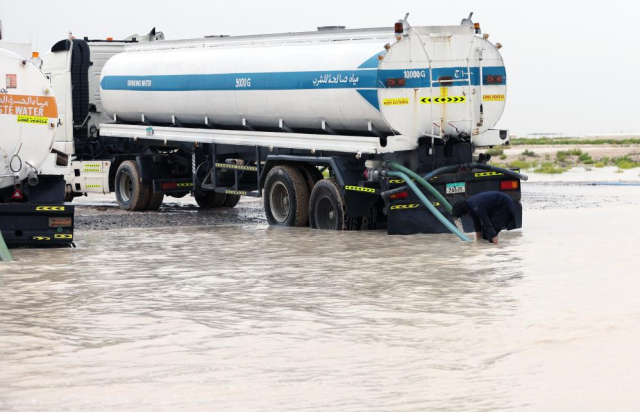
(32, 172)
(326, 126)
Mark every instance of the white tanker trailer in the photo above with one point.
(427, 81)
(32, 181)
(221, 117)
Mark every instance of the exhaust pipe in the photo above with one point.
(32, 178)
(17, 184)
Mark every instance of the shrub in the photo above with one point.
(625, 162)
(548, 167)
(521, 164)
(503, 156)
(496, 151)
(529, 153)
(575, 152)
(600, 164)
(586, 159)
(562, 155)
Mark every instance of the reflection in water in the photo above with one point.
(252, 317)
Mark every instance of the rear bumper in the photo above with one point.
(29, 225)
(409, 216)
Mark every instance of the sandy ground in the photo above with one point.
(597, 151)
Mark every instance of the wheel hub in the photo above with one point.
(325, 213)
(280, 202)
(126, 187)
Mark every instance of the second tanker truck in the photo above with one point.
(326, 126)
(32, 172)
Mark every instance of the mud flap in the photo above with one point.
(410, 218)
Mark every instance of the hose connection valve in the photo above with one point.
(374, 174)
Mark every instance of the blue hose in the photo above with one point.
(5, 255)
(429, 206)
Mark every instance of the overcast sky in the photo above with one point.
(573, 67)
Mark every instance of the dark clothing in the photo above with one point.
(491, 212)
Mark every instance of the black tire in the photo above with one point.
(231, 201)
(210, 200)
(131, 193)
(286, 199)
(68, 194)
(155, 200)
(327, 208)
(311, 175)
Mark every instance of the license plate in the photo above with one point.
(455, 188)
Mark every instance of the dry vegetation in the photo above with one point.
(542, 157)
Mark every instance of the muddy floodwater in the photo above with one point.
(241, 316)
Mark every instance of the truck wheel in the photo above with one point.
(231, 201)
(286, 200)
(210, 200)
(131, 193)
(311, 175)
(327, 206)
(155, 200)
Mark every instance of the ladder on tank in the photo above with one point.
(469, 100)
(445, 82)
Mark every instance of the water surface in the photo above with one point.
(249, 317)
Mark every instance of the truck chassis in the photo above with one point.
(302, 184)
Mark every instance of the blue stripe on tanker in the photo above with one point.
(343, 79)
(372, 62)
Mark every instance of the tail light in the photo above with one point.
(169, 185)
(399, 27)
(400, 195)
(494, 79)
(396, 82)
(509, 185)
(60, 222)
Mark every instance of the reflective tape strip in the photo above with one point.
(235, 192)
(443, 100)
(50, 209)
(411, 206)
(63, 236)
(238, 167)
(487, 174)
(360, 189)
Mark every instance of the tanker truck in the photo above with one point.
(32, 172)
(323, 125)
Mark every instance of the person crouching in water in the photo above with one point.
(491, 212)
